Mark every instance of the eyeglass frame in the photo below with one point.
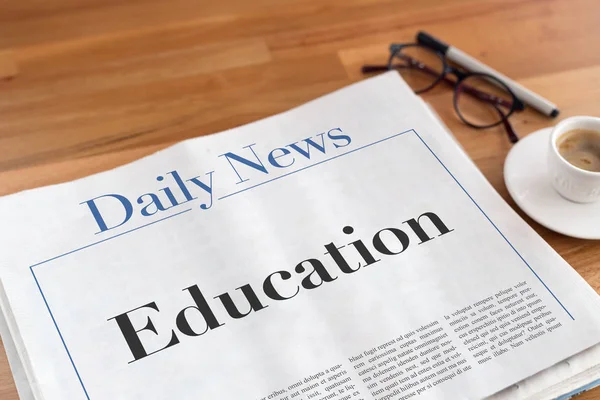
(516, 105)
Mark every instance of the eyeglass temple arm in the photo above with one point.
(512, 136)
(488, 98)
(367, 69)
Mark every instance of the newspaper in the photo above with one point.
(346, 249)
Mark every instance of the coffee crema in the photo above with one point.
(581, 148)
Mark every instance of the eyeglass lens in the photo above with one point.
(482, 101)
(420, 68)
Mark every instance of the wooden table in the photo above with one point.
(91, 85)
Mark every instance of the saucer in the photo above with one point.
(526, 177)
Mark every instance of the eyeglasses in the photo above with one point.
(480, 100)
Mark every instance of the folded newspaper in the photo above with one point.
(347, 249)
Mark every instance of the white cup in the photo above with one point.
(571, 182)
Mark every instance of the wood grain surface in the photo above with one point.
(89, 85)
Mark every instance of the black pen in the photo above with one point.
(471, 64)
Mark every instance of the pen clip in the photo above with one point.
(426, 39)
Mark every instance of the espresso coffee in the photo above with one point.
(581, 148)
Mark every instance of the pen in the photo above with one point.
(471, 64)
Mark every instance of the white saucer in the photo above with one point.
(526, 177)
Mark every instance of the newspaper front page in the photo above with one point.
(343, 250)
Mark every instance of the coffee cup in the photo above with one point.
(570, 181)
